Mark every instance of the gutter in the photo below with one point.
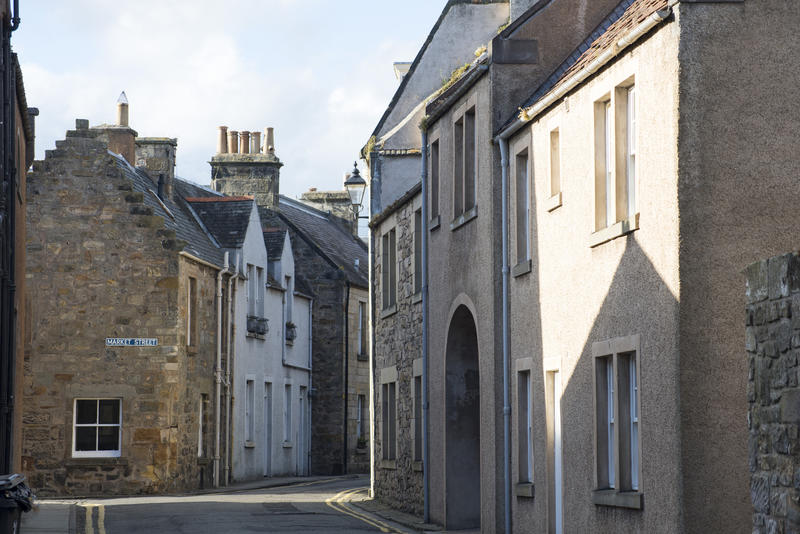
(529, 113)
(218, 372)
(203, 262)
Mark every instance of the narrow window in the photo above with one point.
(458, 167)
(97, 428)
(555, 163)
(251, 290)
(392, 267)
(202, 426)
(417, 251)
(249, 411)
(418, 418)
(393, 420)
(362, 329)
(522, 205)
(630, 156)
(385, 421)
(608, 147)
(191, 314)
(287, 413)
(525, 427)
(289, 298)
(434, 179)
(389, 430)
(469, 160)
(634, 411)
(609, 402)
(259, 291)
(360, 411)
(385, 269)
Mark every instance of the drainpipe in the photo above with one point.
(228, 359)
(15, 19)
(218, 371)
(503, 141)
(346, 369)
(309, 395)
(425, 471)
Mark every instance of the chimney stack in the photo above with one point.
(222, 140)
(122, 110)
(269, 141)
(244, 142)
(233, 141)
(255, 142)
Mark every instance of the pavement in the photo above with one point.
(52, 516)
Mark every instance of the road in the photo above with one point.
(309, 507)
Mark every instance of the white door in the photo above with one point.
(301, 437)
(267, 429)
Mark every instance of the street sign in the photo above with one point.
(131, 342)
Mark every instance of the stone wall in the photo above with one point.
(398, 342)
(100, 264)
(257, 175)
(357, 383)
(772, 341)
(335, 202)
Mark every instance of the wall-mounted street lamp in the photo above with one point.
(355, 186)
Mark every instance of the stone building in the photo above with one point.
(587, 351)
(334, 264)
(122, 355)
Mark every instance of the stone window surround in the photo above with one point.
(612, 91)
(388, 375)
(416, 365)
(518, 146)
(434, 137)
(391, 309)
(74, 391)
(616, 497)
(523, 489)
(466, 214)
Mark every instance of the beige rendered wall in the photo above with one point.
(464, 268)
(576, 295)
(739, 197)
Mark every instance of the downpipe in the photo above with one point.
(218, 371)
(503, 142)
(228, 359)
(425, 456)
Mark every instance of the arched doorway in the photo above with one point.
(462, 427)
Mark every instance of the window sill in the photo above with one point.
(362, 357)
(249, 444)
(256, 336)
(417, 466)
(361, 450)
(614, 231)
(523, 267)
(524, 489)
(464, 218)
(620, 499)
(98, 460)
(287, 444)
(553, 202)
(388, 312)
(289, 342)
(191, 349)
(388, 464)
(434, 223)
(416, 297)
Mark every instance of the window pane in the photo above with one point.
(109, 412)
(85, 438)
(85, 412)
(108, 438)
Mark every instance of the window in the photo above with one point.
(360, 413)
(287, 414)
(259, 292)
(464, 174)
(617, 415)
(525, 426)
(555, 163)
(417, 418)
(389, 413)
(202, 425)
(615, 157)
(289, 298)
(362, 330)
(251, 290)
(249, 412)
(523, 208)
(191, 314)
(417, 251)
(97, 428)
(434, 179)
(389, 269)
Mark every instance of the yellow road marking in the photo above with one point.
(338, 503)
(89, 525)
(101, 519)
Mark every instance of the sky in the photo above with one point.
(318, 71)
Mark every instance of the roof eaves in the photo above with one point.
(439, 105)
(391, 208)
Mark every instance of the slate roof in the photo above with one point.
(321, 229)
(625, 17)
(274, 239)
(179, 217)
(225, 217)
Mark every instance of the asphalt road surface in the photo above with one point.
(309, 507)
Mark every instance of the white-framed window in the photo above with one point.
(287, 413)
(389, 268)
(249, 411)
(97, 428)
(615, 156)
(259, 292)
(525, 426)
(289, 284)
(617, 399)
(251, 289)
(191, 313)
(555, 162)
